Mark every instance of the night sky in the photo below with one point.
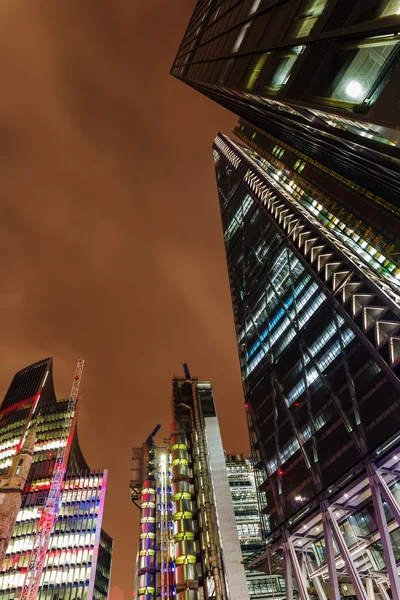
(111, 242)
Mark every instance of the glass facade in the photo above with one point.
(326, 71)
(77, 564)
(317, 313)
(243, 482)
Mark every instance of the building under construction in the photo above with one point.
(55, 547)
(189, 547)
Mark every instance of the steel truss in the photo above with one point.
(295, 545)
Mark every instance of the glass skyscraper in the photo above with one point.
(320, 77)
(243, 483)
(317, 313)
(189, 546)
(78, 561)
(331, 65)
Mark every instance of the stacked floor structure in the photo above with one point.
(78, 560)
(189, 547)
(243, 482)
(317, 312)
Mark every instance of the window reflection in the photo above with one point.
(306, 18)
(359, 68)
(284, 62)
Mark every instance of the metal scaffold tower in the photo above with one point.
(51, 506)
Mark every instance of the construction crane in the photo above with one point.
(150, 440)
(52, 503)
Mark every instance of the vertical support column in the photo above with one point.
(374, 473)
(376, 489)
(301, 584)
(303, 566)
(330, 554)
(320, 588)
(344, 551)
(287, 571)
(383, 591)
(370, 589)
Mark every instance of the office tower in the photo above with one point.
(331, 65)
(368, 213)
(317, 321)
(77, 561)
(189, 547)
(243, 481)
(12, 488)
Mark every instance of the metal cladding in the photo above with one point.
(180, 550)
(147, 576)
(183, 510)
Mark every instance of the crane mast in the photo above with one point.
(51, 506)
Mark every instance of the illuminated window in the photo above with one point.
(381, 9)
(284, 61)
(306, 18)
(253, 71)
(278, 151)
(241, 36)
(358, 69)
(299, 166)
(254, 7)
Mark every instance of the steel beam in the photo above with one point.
(320, 588)
(301, 584)
(373, 472)
(330, 554)
(287, 571)
(370, 588)
(383, 591)
(376, 490)
(345, 553)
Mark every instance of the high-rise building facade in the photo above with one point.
(317, 314)
(78, 559)
(189, 547)
(325, 64)
(243, 483)
(369, 214)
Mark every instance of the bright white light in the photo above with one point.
(354, 89)
(346, 495)
(255, 6)
(395, 457)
